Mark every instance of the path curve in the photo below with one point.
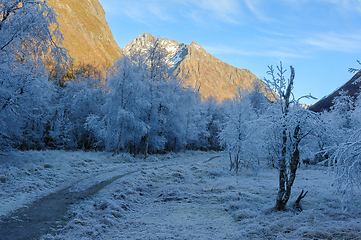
(48, 214)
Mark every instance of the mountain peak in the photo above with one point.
(196, 45)
(196, 67)
(146, 37)
(172, 49)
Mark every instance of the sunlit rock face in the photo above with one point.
(199, 69)
(86, 32)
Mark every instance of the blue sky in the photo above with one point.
(321, 39)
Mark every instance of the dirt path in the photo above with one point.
(47, 213)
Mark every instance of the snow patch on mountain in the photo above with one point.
(179, 56)
(174, 52)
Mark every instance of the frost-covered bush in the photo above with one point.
(240, 134)
(73, 102)
(346, 161)
(344, 145)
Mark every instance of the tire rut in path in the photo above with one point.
(46, 214)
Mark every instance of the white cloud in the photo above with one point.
(336, 41)
(279, 53)
(144, 11)
(158, 10)
(346, 5)
(256, 7)
(227, 11)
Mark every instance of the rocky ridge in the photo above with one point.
(199, 69)
(351, 87)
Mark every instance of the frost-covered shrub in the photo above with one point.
(72, 104)
(240, 134)
(346, 160)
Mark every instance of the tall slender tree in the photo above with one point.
(294, 128)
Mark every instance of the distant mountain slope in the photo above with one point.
(197, 67)
(352, 87)
(86, 33)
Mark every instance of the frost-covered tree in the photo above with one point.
(346, 161)
(29, 30)
(346, 153)
(339, 121)
(156, 78)
(343, 106)
(215, 113)
(28, 36)
(257, 98)
(181, 131)
(124, 102)
(169, 124)
(292, 124)
(356, 114)
(73, 102)
(197, 120)
(24, 109)
(240, 134)
(147, 109)
(119, 120)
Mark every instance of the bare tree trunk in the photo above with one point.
(290, 154)
(231, 162)
(116, 152)
(287, 179)
(146, 149)
(237, 162)
(146, 145)
(281, 201)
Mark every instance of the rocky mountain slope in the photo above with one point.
(351, 87)
(86, 33)
(197, 67)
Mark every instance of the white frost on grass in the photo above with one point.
(182, 196)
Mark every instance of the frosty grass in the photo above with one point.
(190, 195)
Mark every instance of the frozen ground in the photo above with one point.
(175, 196)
